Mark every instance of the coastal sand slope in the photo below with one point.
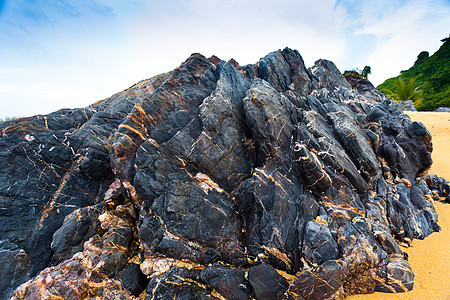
(430, 258)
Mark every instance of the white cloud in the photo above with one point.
(244, 30)
(405, 32)
(75, 61)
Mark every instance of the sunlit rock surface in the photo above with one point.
(217, 181)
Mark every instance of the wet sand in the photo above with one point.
(430, 258)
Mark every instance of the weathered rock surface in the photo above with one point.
(408, 105)
(442, 109)
(217, 181)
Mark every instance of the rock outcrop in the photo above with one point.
(408, 105)
(217, 181)
(442, 109)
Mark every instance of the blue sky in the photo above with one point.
(69, 53)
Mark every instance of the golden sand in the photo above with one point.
(430, 258)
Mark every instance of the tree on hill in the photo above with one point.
(366, 71)
(8, 119)
(363, 73)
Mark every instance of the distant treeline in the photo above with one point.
(7, 119)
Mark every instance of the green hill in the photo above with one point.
(432, 75)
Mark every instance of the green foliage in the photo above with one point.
(354, 71)
(8, 119)
(432, 74)
(404, 89)
(357, 72)
(366, 71)
(422, 55)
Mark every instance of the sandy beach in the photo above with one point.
(430, 258)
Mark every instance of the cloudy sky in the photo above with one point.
(70, 53)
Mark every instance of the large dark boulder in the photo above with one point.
(217, 181)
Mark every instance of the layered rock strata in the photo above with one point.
(217, 181)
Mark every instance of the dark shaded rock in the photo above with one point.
(316, 133)
(217, 181)
(189, 212)
(356, 143)
(377, 113)
(285, 70)
(266, 282)
(228, 282)
(387, 242)
(268, 115)
(183, 193)
(312, 169)
(14, 270)
(52, 165)
(321, 283)
(132, 279)
(78, 227)
(270, 208)
(439, 187)
(42, 171)
(178, 283)
(169, 108)
(406, 146)
(318, 243)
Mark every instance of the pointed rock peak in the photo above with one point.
(234, 63)
(294, 58)
(285, 70)
(214, 60)
(328, 74)
(194, 57)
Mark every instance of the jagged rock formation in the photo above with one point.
(217, 181)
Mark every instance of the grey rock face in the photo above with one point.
(443, 109)
(408, 105)
(213, 181)
(15, 265)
